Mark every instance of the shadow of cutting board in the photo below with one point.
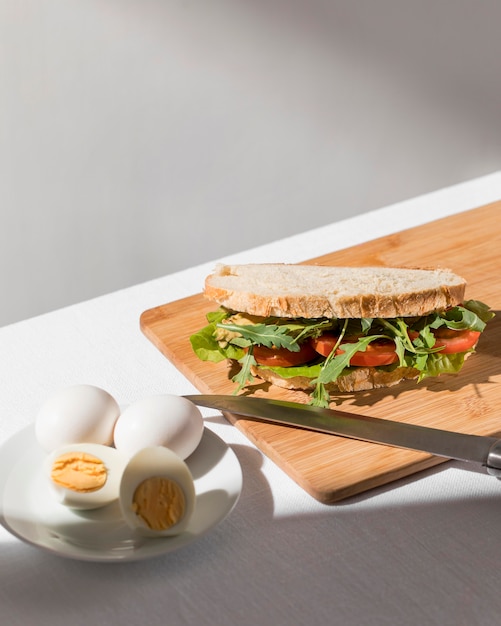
(332, 468)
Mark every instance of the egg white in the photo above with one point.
(162, 420)
(76, 414)
(151, 462)
(114, 463)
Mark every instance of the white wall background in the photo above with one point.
(139, 137)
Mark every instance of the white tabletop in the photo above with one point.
(423, 550)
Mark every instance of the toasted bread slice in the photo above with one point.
(316, 291)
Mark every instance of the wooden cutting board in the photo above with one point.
(332, 468)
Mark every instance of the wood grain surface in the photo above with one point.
(332, 468)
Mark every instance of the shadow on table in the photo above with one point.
(379, 534)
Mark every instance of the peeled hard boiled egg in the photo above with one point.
(164, 420)
(157, 493)
(76, 414)
(85, 475)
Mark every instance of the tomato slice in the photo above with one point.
(325, 343)
(378, 352)
(382, 351)
(453, 341)
(281, 357)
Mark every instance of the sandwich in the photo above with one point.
(325, 329)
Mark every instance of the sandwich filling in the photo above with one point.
(324, 350)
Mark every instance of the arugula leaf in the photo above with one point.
(311, 328)
(334, 366)
(418, 352)
(244, 376)
(483, 311)
(472, 315)
(320, 396)
(463, 318)
(366, 323)
(399, 332)
(269, 335)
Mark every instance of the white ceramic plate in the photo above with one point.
(29, 511)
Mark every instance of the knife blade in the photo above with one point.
(479, 449)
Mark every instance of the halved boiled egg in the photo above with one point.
(157, 493)
(85, 475)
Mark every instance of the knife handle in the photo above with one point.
(494, 459)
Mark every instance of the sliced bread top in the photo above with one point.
(315, 291)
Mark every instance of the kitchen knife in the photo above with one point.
(451, 445)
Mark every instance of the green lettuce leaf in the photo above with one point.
(437, 364)
(417, 353)
(205, 345)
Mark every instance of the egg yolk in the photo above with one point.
(159, 502)
(79, 471)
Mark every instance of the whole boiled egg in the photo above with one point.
(85, 475)
(76, 414)
(157, 493)
(163, 420)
